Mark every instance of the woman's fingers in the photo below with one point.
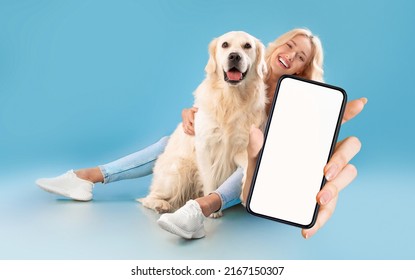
(331, 189)
(327, 198)
(188, 129)
(324, 214)
(338, 172)
(188, 117)
(344, 152)
(353, 108)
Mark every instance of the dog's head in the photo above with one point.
(235, 57)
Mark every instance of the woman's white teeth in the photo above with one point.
(283, 62)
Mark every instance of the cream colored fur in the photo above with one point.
(192, 166)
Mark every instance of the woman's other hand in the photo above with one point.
(188, 119)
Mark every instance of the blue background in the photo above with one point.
(85, 82)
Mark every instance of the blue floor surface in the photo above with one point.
(371, 222)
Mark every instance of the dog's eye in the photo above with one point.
(247, 46)
(225, 45)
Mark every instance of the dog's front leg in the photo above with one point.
(206, 176)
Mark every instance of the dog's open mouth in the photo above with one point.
(234, 76)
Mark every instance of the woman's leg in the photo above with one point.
(230, 191)
(225, 196)
(132, 166)
(135, 165)
(91, 174)
(78, 184)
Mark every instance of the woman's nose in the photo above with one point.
(290, 56)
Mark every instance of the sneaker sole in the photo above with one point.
(51, 190)
(172, 228)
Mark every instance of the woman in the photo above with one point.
(78, 184)
(297, 52)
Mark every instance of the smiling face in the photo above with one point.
(235, 55)
(292, 57)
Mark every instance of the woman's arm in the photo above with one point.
(256, 140)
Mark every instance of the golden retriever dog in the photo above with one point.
(230, 100)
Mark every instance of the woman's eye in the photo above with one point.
(247, 46)
(302, 59)
(289, 45)
(225, 45)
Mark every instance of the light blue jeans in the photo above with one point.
(141, 164)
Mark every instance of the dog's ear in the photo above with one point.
(211, 65)
(261, 65)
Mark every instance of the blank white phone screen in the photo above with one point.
(299, 139)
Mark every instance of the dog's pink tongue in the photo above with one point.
(234, 75)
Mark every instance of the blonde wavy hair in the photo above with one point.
(314, 69)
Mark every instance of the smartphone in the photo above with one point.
(299, 138)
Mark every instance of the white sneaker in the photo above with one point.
(68, 185)
(186, 222)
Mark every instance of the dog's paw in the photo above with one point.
(216, 215)
(158, 205)
(163, 207)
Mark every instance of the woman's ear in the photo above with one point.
(211, 65)
(261, 65)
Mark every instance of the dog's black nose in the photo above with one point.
(235, 57)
